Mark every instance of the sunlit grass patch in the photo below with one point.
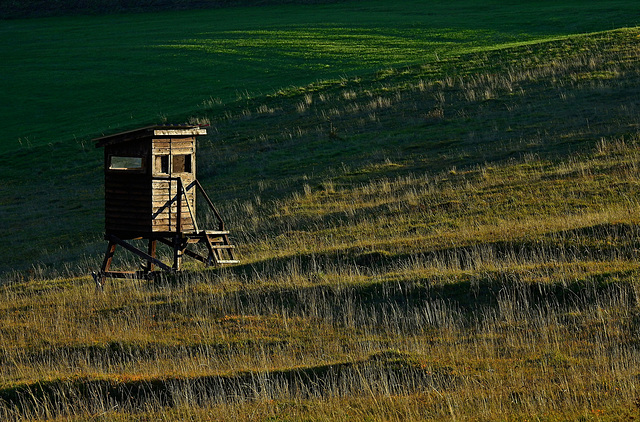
(583, 206)
(346, 48)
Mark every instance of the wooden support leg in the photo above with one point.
(138, 252)
(108, 257)
(177, 253)
(184, 250)
(106, 264)
(151, 250)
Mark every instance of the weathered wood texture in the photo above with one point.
(148, 199)
(173, 157)
(150, 193)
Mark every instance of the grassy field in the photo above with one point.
(74, 78)
(454, 238)
(67, 79)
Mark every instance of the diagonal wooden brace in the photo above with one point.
(138, 252)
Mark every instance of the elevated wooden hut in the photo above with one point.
(150, 193)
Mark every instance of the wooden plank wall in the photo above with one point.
(127, 204)
(127, 193)
(164, 190)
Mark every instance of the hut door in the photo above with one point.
(164, 189)
(182, 167)
(173, 158)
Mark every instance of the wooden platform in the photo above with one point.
(219, 252)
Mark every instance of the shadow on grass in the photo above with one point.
(377, 284)
(387, 372)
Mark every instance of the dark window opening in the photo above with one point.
(182, 163)
(162, 164)
(125, 163)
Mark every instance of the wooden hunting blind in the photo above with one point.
(150, 193)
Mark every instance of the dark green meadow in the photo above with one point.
(435, 206)
(66, 80)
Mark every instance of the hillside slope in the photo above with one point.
(75, 78)
(451, 241)
(543, 100)
(69, 79)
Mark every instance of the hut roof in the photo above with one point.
(160, 130)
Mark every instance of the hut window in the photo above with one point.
(182, 163)
(162, 164)
(125, 163)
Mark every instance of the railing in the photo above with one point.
(182, 191)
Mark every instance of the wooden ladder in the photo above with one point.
(221, 251)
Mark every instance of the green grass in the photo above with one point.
(74, 78)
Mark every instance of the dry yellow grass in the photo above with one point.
(505, 290)
(377, 302)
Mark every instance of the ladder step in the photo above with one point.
(227, 261)
(223, 246)
(214, 232)
(209, 232)
(205, 233)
